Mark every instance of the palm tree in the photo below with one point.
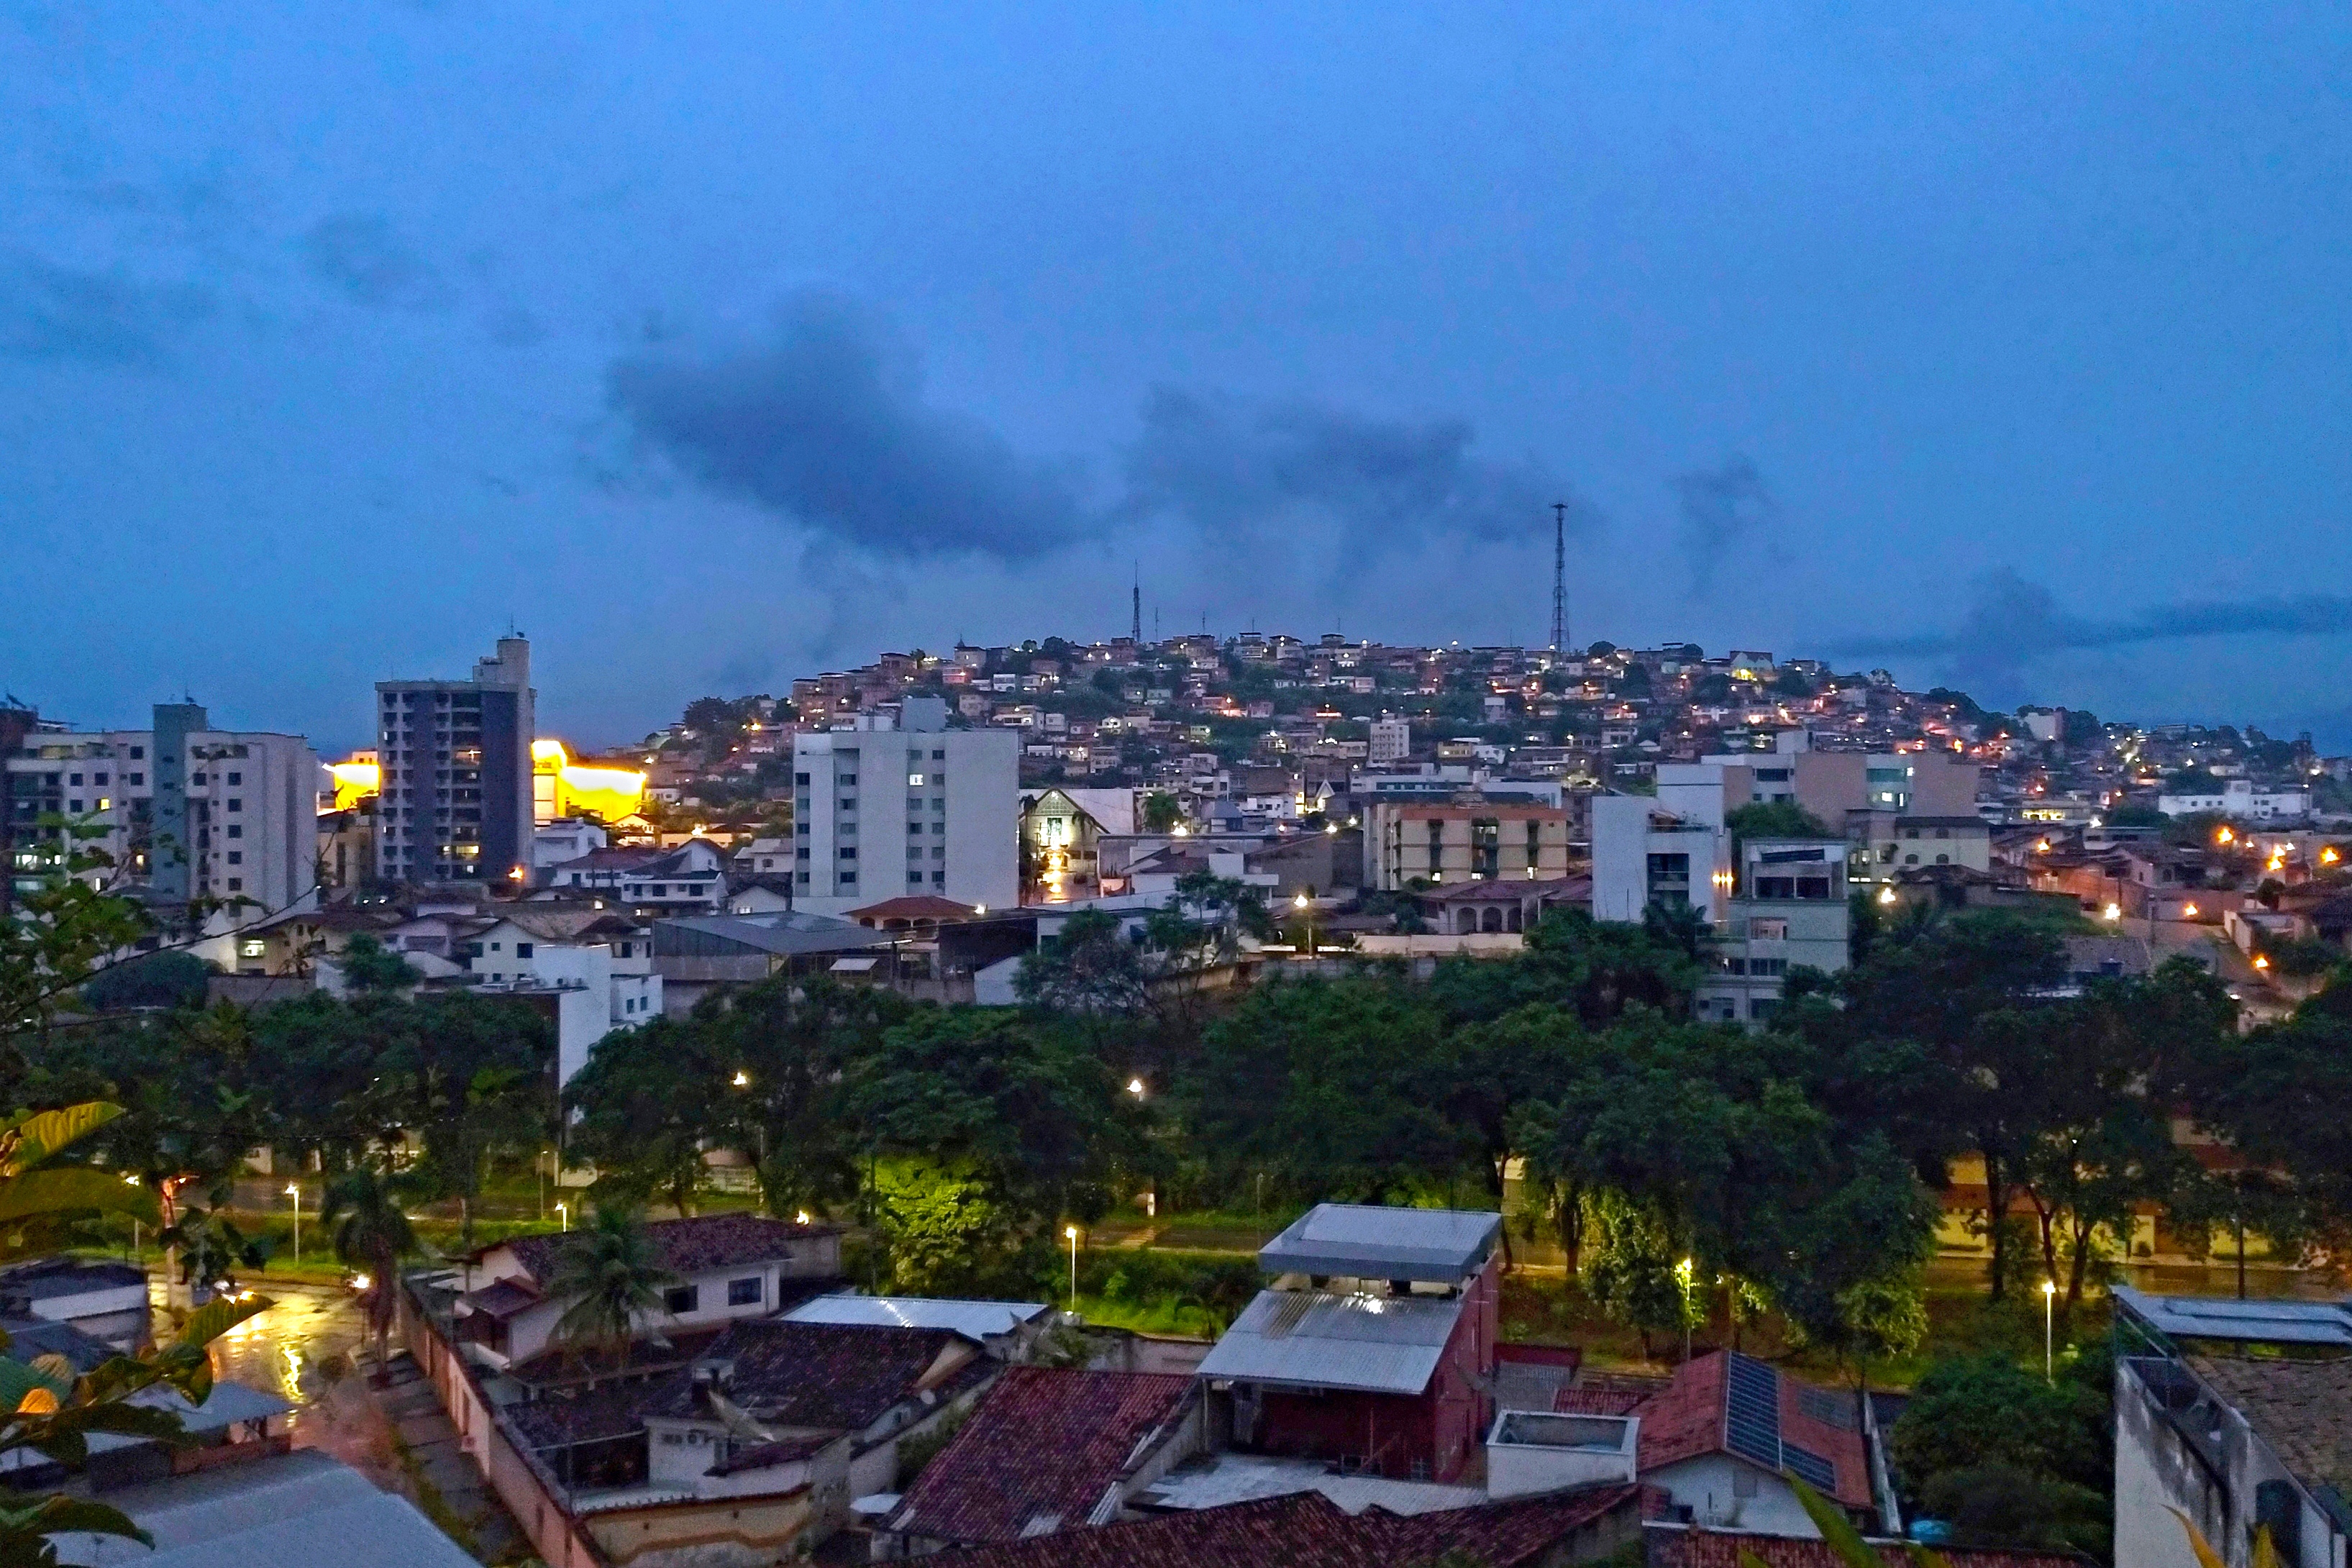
(371, 1234)
(610, 1277)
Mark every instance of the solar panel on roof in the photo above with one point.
(1752, 1424)
(1816, 1472)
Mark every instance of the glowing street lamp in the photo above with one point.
(1071, 1231)
(2112, 912)
(296, 1193)
(563, 1215)
(2049, 1319)
(1135, 1087)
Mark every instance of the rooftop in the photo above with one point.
(973, 1319)
(827, 1376)
(1374, 1344)
(1368, 1242)
(1042, 1452)
(688, 1246)
(1220, 1480)
(1305, 1530)
(1692, 1546)
(2261, 1321)
(2302, 1409)
(1726, 1403)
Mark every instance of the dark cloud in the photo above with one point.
(1233, 468)
(360, 254)
(51, 313)
(2009, 623)
(825, 423)
(1722, 509)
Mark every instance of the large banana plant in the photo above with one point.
(44, 1405)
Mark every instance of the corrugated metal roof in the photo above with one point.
(973, 1319)
(2256, 1321)
(1368, 1242)
(1374, 1344)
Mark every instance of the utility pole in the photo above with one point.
(1559, 576)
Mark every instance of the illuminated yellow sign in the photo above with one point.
(609, 794)
(355, 779)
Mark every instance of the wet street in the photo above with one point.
(281, 1350)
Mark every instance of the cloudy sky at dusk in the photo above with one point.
(2003, 345)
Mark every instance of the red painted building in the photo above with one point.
(1371, 1348)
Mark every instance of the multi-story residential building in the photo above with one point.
(191, 813)
(900, 804)
(457, 792)
(1391, 740)
(1439, 843)
(1790, 910)
(591, 970)
(1643, 854)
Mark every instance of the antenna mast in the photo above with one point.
(1136, 606)
(1559, 576)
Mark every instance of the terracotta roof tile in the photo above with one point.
(1045, 1444)
(1307, 1529)
(828, 1376)
(1692, 1546)
(689, 1245)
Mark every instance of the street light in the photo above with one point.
(2049, 1318)
(742, 1078)
(1135, 1087)
(1071, 1232)
(1683, 1271)
(296, 1193)
(563, 1215)
(1306, 908)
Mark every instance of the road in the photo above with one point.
(281, 1350)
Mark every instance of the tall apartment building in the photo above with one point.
(1391, 740)
(183, 810)
(456, 799)
(898, 805)
(1790, 910)
(1446, 842)
(1645, 852)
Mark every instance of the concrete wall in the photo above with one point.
(1709, 1486)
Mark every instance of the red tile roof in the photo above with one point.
(688, 1246)
(1689, 1419)
(1045, 1444)
(913, 907)
(1681, 1546)
(823, 1376)
(1307, 1529)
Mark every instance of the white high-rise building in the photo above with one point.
(899, 805)
(183, 810)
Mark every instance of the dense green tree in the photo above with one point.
(368, 965)
(1090, 968)
(1333, 1089)
(647, 1105)
(1598, 968)
(2008, 1458)
(168, 979)
(2282, 1095)
(475, 1080)
(800, 1044)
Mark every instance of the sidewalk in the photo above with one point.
(428, 1466)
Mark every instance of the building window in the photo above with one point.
(523, 949)
(236, 830)
(136, 753)
(235, 804)
(236, 884)
(237, 778)
(848, 879)
(914, 780)
(682, 1299)
(236, 856)
(745, 1292)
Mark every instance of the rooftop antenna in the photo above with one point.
(1559, 576)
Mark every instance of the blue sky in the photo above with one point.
(712, 345)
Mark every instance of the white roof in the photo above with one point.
(2264, 1320)
(1365, 1241)
(296, 1511)
(973, 1319)
(1375, 1344)
(1231, 1478)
